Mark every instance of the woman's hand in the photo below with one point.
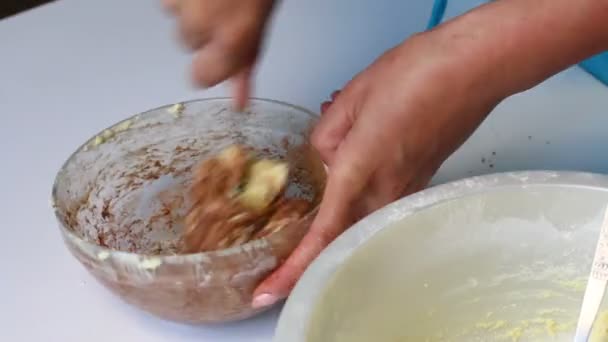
(226, 35)
(384, 136)
(387, 132)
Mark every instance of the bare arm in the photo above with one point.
(517, 44)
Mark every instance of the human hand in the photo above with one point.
(384, 136)
(226, 35)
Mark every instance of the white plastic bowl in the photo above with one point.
(502, 257)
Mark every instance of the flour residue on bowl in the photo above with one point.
(136, 203)
(508, 265)
(129, 193)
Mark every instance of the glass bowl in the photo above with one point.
(120, 200)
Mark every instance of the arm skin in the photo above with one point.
(516, 44)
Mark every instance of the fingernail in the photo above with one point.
(264, 300)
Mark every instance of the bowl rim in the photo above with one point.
(294, 321)
(141, 260)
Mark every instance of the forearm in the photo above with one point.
(516, 44)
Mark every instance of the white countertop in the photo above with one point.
(73, 67)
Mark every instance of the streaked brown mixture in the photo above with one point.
(238, 198)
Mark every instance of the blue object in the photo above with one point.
(437, 13)
(597, 65)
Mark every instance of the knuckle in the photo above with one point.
(349, 176)
(317, 139)
(357, 87)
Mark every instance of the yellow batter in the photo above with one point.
(600, 329)
(545, 326)
(548, 324)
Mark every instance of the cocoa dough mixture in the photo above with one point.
(237, 198)
(160, 203)
(133, 190)
(137, 203)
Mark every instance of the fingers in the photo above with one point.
(335, 123)
(210, 66)
(325, 105)
(344, 185)
(219, 60)
(225, 36)
(326, 227)
(280, 283)
(334, 95)
(241, 88)
(195, 25)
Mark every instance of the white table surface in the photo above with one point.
(73, 67)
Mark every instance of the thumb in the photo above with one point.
(345, 182)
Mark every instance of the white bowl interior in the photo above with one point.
(505, 265)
